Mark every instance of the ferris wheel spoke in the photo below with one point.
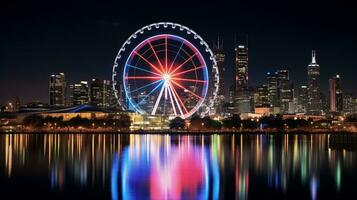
(145, 86)
(148, 62)
(158, 100)
(179, 98)
(166, 54)
(172, 102)
(188, 59)
(153, 90)
(142, 69)
(189, 80)
(165, 92)
(158, 60)
(142, 77)
(177, 53)
(189, 91)
(174, 93)
(189, 70)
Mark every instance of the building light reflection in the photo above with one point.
(90, 160)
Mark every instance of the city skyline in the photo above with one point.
(277, 95)
(227, 81)
(41, 43)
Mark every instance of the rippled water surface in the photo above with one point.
(91, 166)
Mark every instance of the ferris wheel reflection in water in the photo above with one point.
(165, 171)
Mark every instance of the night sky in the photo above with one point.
(81, 39)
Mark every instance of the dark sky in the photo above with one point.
(81, 38)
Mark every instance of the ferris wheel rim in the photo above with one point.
(182, 28)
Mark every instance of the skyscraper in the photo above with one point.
(349, 106)
(302, 99)
(220, 58)
(280, 91)
(102, 94)
(335, 94)
(17, 104)
(97, 92)
(109, 97)
(272, 82)
(57, 89)
(313, 81)
(324, 103)
(80, 94)
(242, 99)
(261, 96)
(241, 69)
(228, 108)
(285, 91)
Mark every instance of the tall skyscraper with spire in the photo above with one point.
(219, 54)
(313, 81)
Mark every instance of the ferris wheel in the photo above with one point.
(165, 69)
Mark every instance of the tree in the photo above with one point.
(250, 124)
(276, 122)
(214, 125)
(196, 122)
(352, 118)
(124, 121)
(296, 123)
(177, 123)
(33, 120)
(232, 122)
(78, 121)
(54, 120)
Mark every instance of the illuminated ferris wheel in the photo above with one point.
(166, 69)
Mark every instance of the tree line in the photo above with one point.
(121, 121)
(235, 122)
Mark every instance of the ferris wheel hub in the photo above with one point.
(166, 77)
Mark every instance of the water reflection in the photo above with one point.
(154, 167)
(181, 167)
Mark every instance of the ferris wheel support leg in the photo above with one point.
(178, 105)
(158, 100)
(172, 102)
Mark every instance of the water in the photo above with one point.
(177, 167)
